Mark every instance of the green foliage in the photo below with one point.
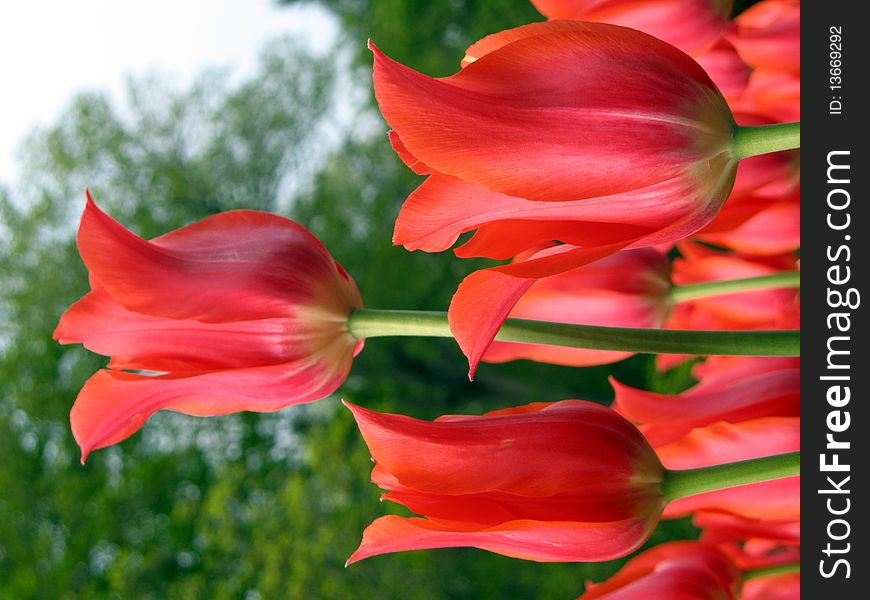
(246, 506)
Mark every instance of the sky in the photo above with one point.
(50, 49)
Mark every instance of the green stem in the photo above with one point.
(774, 570)
(679, 484)
(368, 323)
(693, 291)
(761, 139)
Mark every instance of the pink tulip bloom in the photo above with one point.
(594, 135)
(690, 25)
(566, 481)
(243, 310)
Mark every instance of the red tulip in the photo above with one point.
(628, 289)
(675, 571)
(594, 135)
(566, 481)
(243, 310)
(767, 35)
(690, 25)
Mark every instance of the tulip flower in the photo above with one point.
(565, 481)
(690, 25)
(690, 570)
(596, 136)
(767, 35)
(628, 289)
(243, 310)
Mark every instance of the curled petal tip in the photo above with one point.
(353, 408)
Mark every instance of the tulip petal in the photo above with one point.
(485, 298)
(542, 93)
(668, 417)
(690, 25)
(529, 540)
(773, 230)
(474, 450)
(144, 342)
(768, 35)
(113, 405)
(213, 270)
(773, 587)
(442, 208)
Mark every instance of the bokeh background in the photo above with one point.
(253, 505)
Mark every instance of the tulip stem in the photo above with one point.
(693, 291)
(368, 323)
(679, 484)
(794, 567)
(761, 139)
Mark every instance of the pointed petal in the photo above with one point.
(442, 208)
(690, 25)
(238, 265)
(768, 35)
(485, 298)
(542, 93)
(113, 405)
(668, 417)
(144, 342)
(529, 540)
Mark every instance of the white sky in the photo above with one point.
(49, 49)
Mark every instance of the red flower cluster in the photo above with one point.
(596, 152)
